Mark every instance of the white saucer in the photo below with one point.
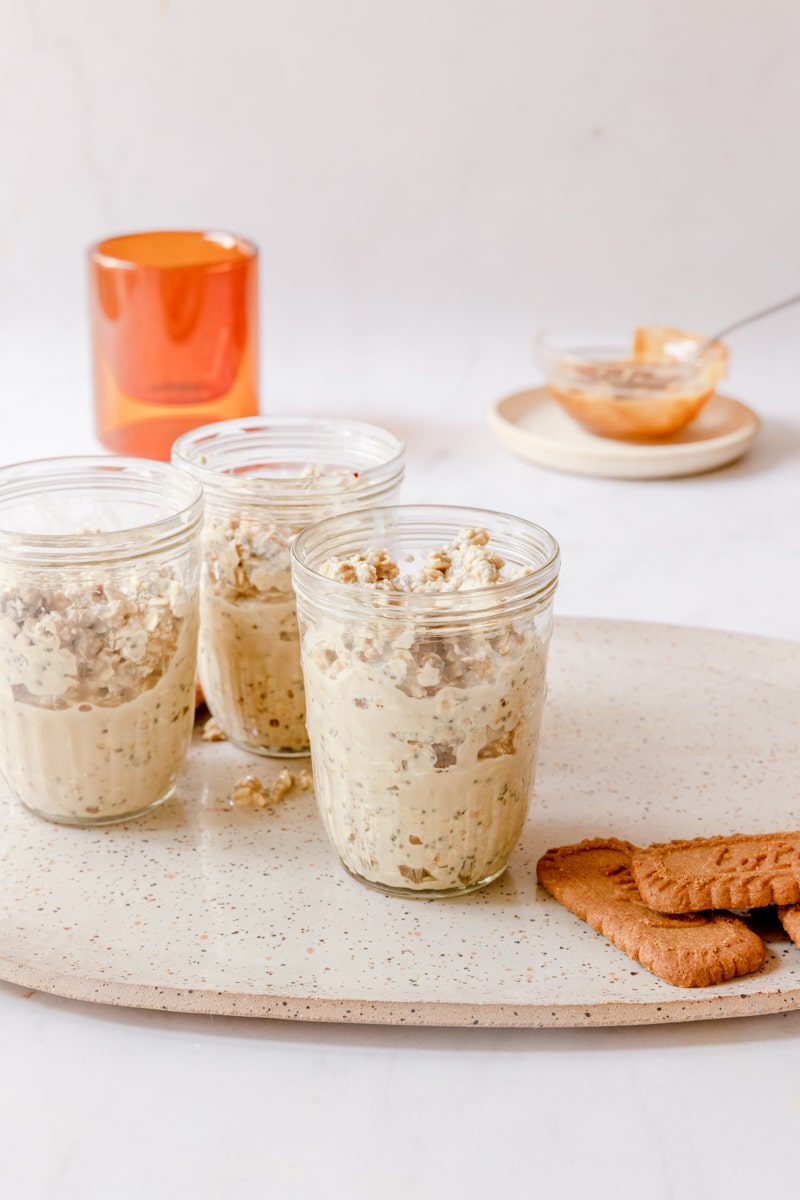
(533, 425)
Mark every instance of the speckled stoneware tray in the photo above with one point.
(651, 732)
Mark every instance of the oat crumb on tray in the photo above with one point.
(250, 792)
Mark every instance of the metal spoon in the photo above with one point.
(748, 320)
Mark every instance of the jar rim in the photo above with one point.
(36, 477)
(267, 436)
(510, 596)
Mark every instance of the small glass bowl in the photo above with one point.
(616, 395)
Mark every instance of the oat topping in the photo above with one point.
(466, 564)
(97, 642)
(371, 568)
(249, 554)
(247, 557)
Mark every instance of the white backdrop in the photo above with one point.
(429, 182)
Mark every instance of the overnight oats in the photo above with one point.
(265, 480)
(99, 572)
(425, 633)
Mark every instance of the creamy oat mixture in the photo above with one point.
(424, 744)
(96, 690)
(249, 645)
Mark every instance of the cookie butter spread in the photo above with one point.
(424, 742)
(653, 391)
(249, 646)
(96, 690)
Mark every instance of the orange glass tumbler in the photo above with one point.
(174, 319)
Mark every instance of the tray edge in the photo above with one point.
(203, 1002)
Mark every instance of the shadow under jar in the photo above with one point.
(99, 571)
(265, 480)
(425, 633)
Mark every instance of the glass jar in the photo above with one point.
(424, 707)
(644, 390)
(265, 480)
(99, 570)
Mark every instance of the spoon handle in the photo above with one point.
(749, 320)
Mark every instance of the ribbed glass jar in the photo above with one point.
(265, 480)
(99, 573)
(424, 706)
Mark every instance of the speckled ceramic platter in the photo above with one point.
(534, 425)
(651, 732)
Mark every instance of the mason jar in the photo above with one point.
(424, 693)
(265, 479)
(99, 575)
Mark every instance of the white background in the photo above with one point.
(429, 182)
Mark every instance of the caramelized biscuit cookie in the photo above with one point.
(594, 880)
(740, 871)
(789, 917)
